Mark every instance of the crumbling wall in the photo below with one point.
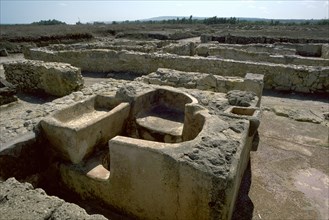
(57, 79)
(203, 81)
(325, 51)
(274, 49)
(276, 76)
(231, 39)
(7, 92)
(184, 49)
(241, 54)
(22, 201)
(146, 47)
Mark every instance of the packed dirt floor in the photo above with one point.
(289, 174)
(290, 171)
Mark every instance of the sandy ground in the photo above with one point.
(289, 176)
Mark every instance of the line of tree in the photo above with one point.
(48, 22)
(231, 20)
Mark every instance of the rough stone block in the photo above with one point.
(7, 92)
(3, 53)
(184, 49)
(255, 83)
(56, 79)
(22, 201)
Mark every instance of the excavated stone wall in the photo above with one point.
(281, 53)
(237, 54)
(191, 161)
(276, 48)
(303, 47)
(231, 39)
(146, 47)
(277, 76)
(180, 49)
(57, 79)
(7, 92)
(194, 80)
(22, 201)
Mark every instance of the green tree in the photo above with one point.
(48, 22)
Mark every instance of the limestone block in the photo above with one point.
(240, 98)
(255, 83)
(22, 201)
(235, 84)
(7, 92)
(325, 51)
(76, 130)
(57, 79)
(203, 50)
(250, 113)
(207, 81)
(185, 49)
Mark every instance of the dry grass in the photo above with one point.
(9, 32)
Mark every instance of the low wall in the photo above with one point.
(184, 49)
(193, 80)
(239, 54)
(146, 47)
(230, 39)
(57, 79)
(276, 76)
(280, 49)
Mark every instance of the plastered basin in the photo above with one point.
(250, 113)
(160, 115)
(76, 130)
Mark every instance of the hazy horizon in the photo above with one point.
(25, 12)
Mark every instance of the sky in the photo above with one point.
(28, 11)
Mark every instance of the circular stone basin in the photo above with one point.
(160, 115)
(162, 121)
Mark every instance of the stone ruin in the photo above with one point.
(147, 150)
(7, 92)
(58, 79)
(300, 74)
(172, 144)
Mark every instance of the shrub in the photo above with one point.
(49, 22)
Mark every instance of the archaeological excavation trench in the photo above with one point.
(173, 143)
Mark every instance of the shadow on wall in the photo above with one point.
(244, 207)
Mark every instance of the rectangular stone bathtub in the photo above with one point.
(76, 130)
